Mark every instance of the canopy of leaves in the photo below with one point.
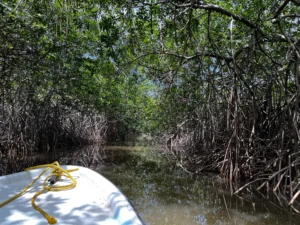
(224, 74)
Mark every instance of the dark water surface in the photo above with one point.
(165, 195)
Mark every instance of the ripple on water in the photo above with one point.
(164, 196)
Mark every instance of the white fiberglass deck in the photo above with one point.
(94, 201)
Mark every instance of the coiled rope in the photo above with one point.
(56, 173)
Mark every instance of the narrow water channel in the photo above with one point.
(165, 195)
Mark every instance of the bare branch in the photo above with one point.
(199, 54)
(218, 9)
(225, 12)
(281, 7)
(156, 3)
(289, 16)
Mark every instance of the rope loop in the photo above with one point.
(49, 185)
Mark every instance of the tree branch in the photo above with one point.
(289, 16)
(218, 9)
(198, 54)
(281, 7)
(296, 2)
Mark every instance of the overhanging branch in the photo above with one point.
(281, 7)
(218, 9)
(296, 2)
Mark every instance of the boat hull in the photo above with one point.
(94, 201)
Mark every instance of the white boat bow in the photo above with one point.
(94, 201)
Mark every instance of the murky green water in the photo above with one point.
(164, 195)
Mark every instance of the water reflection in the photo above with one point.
(164, 195)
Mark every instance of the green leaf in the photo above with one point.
(58, 4)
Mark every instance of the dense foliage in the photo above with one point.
(219, 80)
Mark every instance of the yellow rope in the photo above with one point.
(56, 171)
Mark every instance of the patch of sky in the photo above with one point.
(133, 71)
(89, 56)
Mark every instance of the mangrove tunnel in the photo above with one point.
(212, 88)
